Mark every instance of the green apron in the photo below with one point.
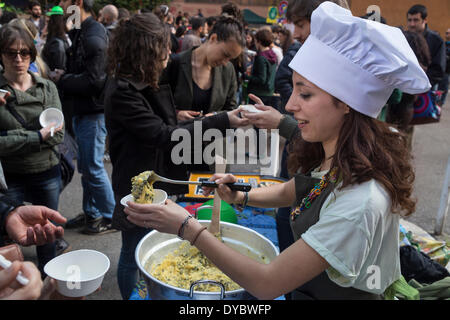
(321, 287)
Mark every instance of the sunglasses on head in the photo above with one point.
(12, 54)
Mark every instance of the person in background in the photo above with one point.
(417, 19)
(6, 17)
(261, 81)
(203, 79)
(123, 14)
(82, 85)
(194, 37)
(109, 18)
(401, 113)
(55, 49)
(286, 39)
(162, 12)
(179, 34)
(141, 117)
(27, 151)
(38, 66)
(354, 177)
(36, 15)
(210, 21)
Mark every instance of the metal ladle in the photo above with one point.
(237, 186)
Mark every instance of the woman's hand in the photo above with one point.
(46, 132)
(185, 115)
(235, 120)
(32, 225)
(3, 99)
(269, 118)
(225, 193)
(10, 289)
(165, 218)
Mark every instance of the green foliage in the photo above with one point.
(132, 5)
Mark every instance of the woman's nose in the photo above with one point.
(291, 106)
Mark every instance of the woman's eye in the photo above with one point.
(305, 96)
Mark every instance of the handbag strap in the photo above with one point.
(18, 117)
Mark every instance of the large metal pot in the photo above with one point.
(156, 245)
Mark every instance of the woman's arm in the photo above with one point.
(275, 196)
(293, 267)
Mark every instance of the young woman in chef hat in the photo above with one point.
(354, 177)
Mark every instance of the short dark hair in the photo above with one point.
(211, 20)
(9, 34)
(7, 16)
(302, 9)
(197, 22)
(228, 27)
(264, 36)
(181, 30)
(418, 8)
(33, 4)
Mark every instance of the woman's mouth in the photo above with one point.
(302, 123)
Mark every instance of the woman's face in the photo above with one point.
(249, 39)
(220, 52)
(319, 117)
(302, 29)
(16, 58)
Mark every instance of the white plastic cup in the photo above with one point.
(51, 116)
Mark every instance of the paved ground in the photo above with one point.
(431, 151)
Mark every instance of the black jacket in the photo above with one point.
(436, 45)
(55, 53)
(85, 78)
(179, 75)
(283, 77)
(140, 123)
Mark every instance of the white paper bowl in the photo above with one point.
(78, 273)
(160, 198)
(250, 108)
(51, 115)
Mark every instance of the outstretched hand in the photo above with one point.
(31, 225)
(269, 118)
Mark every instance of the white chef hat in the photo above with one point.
(358, 61)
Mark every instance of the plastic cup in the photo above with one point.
(53, 117)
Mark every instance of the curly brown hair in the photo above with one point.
(366, 149)
(139, 47)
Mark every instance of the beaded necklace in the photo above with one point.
(331, 176)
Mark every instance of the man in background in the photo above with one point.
(36, 15)
(417, 22)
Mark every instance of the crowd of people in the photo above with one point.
(125, 81)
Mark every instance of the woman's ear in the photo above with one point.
(212, 38)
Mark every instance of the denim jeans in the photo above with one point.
(98, 196)
(127, 270)
(43, 193)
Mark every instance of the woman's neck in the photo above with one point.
(19, 81)
(199, 57)
(330, 148)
